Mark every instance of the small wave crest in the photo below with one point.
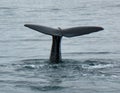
(73, 68)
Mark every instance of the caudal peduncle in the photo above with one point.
(55, 56)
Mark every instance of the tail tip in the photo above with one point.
(26, 25)
(101, 28)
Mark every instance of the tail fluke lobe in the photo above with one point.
(44, 29)
(70, 32)
(78, 31)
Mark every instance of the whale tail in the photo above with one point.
(57, 34)
(69, 32)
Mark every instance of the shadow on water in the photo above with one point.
(41, 75)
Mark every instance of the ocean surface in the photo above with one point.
(91, 63)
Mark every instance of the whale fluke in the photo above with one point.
(44, 29)
(69, 32)
(57, 35)
(78, 31)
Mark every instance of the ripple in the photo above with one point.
(67, 69)
(38, 87)
(83, 53)
(6, 56)
(47, 88)
(100, 66)
(55, 9)
(114, 5)
(41, 75)
(6, 8)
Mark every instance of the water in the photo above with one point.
(91, 63)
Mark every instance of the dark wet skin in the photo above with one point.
(55, 56)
